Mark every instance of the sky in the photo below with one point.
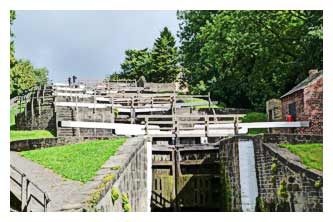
(88, 44)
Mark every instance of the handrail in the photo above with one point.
(28, 197)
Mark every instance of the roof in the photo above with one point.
(304, 83)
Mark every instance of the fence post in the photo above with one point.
(27, 194)
(77, 116)
(236, 125)
(112, 114)
(32, 111)
(132, 111)
(25, 106)
(146, 124)
(206, 125)
(45, 202)
(176, 127)
(23, 198)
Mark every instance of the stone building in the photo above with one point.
(304, 102)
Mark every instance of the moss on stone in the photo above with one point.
(317, 184)
(124, 198)
(108, 178)
(226, 197)
(127, 208)
(282, 192)
(115, 168)
(125, 203)
(114, 194)
(95, 197)
(274, 168)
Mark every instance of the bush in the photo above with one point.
(255, 117)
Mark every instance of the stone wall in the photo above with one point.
(36, 120)
(313, 107)
(291, 138)
(124, 174)
(274, 110)
(230, 184)
(159, 87)
(284, 184)
(33, 144)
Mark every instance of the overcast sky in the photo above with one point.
(89, 44)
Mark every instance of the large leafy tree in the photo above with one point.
(161, 64)
(137, 63)
(165, 67)
(22, 77)
(246, 57)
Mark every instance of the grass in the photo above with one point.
(25, 134)
(198, 100)
(311, 154)
(12, 117)
(255, 117)
(33, 134)
(78, 162)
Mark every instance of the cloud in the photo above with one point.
(89, 44)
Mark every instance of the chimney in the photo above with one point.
(313, 72)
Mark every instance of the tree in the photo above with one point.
(137, 63)
(22, 77)
(41, 75)
(12, 47)
(164, 55)
(113, 76)
(246, 57)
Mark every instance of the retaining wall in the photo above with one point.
(284, 183)
(128, 170)
(45, 119)
(33, 144)
(230, 182)
(301, 189)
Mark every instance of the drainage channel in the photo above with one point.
(248, 179)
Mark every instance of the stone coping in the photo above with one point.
(292, 161)
(113, 168)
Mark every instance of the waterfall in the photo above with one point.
(248, 179)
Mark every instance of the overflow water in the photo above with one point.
(248, 179)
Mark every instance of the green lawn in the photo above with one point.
(76, 161)
(33, 134)
(255, 117)
(311, 154)
(198, 100)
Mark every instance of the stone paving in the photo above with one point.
(61, 191)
